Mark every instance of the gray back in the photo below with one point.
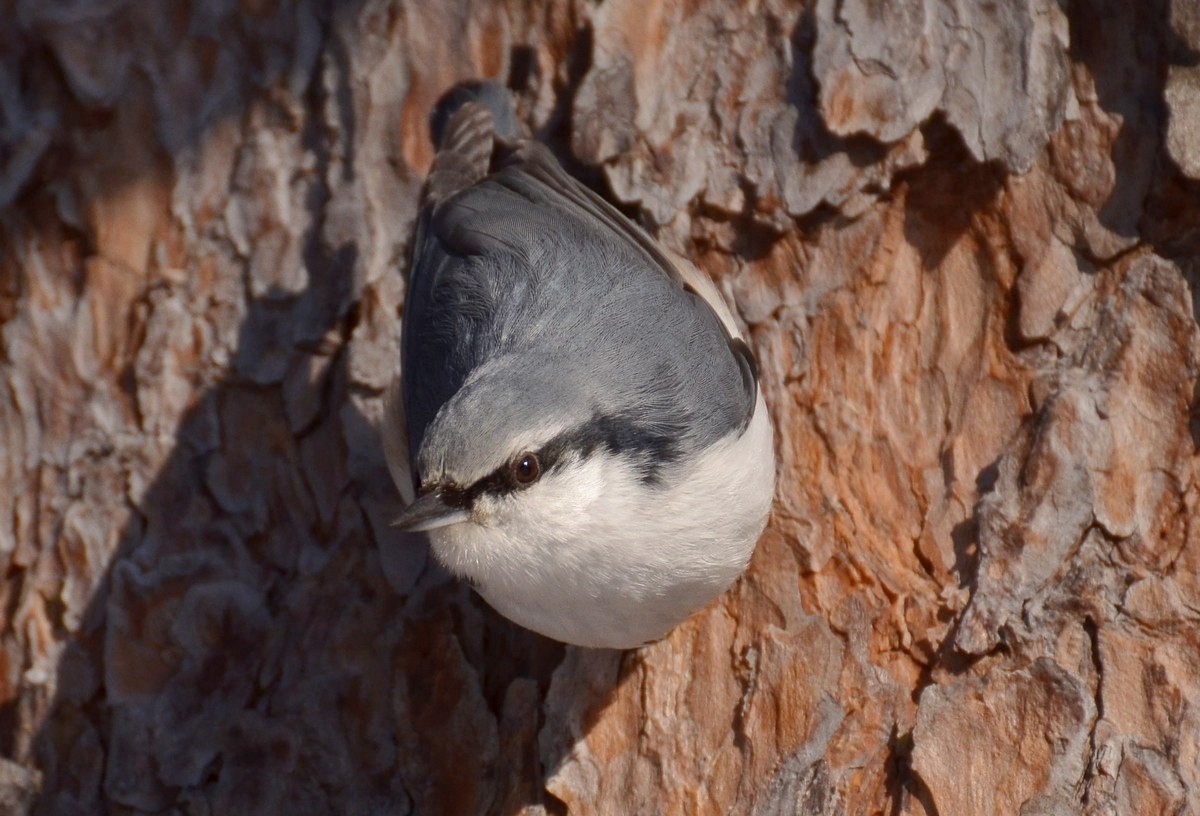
(530, 274)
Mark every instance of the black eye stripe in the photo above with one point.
(500, 481)
(649, 449)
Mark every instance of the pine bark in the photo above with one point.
(962, 236)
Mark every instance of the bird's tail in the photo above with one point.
(466, 122)
(494, 97)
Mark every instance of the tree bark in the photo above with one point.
(962, 237)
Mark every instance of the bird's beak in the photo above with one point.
(429, 512)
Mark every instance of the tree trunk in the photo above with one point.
(962, 236)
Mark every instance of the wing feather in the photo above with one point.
(490, 197)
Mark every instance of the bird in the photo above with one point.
(577, 423)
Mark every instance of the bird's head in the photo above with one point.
(523, 456)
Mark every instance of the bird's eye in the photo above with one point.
(526, 469)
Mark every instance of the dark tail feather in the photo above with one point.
(490, 94)
(466, 123)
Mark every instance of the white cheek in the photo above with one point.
(556, 506)
(512, 534)
(463, 548)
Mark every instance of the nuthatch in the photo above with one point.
(578, 427)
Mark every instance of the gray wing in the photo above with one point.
(528, 260)
(536, 161)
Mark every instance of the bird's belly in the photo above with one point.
(614, 613)
(640, 562)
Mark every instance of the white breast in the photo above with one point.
(591, 555)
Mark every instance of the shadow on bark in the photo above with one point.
(262, 641)
(1152, 200)
(259, 657)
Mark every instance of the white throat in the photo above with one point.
(593, 555)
